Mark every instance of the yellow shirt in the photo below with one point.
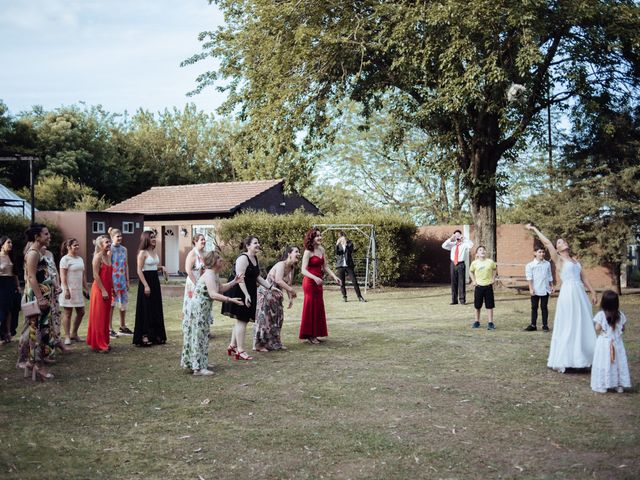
(483, 271)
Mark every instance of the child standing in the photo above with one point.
(483, 273)
(609, 368)
(538, 274)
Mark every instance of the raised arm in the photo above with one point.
(545, 241)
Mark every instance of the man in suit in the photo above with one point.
(459, 248)
(345, 265)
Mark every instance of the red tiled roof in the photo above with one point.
(199, 198)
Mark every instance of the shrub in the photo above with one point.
(14, 228)
(394, 238)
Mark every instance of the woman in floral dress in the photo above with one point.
(35, 339)
(195, 348)
(56, 314)
(194, 267)
(270, 308)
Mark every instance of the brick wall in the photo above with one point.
(515, 250)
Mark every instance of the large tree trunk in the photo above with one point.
(483, 206)
(616, 273)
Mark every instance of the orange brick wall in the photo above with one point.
(515, 250)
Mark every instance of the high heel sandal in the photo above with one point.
(243, 356)
(231, 350)
(36, 373)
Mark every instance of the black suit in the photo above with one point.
(345, 265)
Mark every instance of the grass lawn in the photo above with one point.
(403, 388)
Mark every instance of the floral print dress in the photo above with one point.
(189, 287)
(195, 328)
(36, 341)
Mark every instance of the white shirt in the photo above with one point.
(463, 249)
(540, 274)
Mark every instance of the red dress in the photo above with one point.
(314, 321)
(100, 311)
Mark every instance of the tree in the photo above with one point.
(445, 66)
(405, 174)
(55, 192)
(598, 207)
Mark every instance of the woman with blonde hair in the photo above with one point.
(149, 328)
(101, 295)
(120, 265)
(74, 288)
(195, 348)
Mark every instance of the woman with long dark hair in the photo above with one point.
(74, 288)
(35, 341)
(149, 327)
(9, 292)
(314, 266)
(246, 264)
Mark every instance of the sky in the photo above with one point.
(121, 54)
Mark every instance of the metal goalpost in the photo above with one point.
(371, 259)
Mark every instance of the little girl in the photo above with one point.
(610, 368)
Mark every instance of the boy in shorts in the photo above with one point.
(483, 273)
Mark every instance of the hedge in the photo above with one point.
(394, 238)
(14, 228)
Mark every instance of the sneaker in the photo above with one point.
(125, 331)
(545, 328)
(491, 326)
(475, 325)
(113, 334)
(619, 389)
(531, 328)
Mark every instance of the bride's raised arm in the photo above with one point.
(545, 241)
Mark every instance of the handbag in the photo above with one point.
(30, 309)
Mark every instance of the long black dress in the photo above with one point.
(149, 314)
(241, 312)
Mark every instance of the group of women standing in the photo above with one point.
(251, 298)
(51, 296)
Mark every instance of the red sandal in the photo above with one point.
(243, 356)
(231, 350)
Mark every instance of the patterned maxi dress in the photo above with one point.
(269, 318)
(189, 287)
(195, 327)
(35, 341)
(119, 265)
(56, 313)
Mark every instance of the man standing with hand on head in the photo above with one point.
(459, 248)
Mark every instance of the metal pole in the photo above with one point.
(33, 192)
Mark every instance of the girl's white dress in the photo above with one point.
(610, 368)
(574, 338)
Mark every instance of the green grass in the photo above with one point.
(403, 388)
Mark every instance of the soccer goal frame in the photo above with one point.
(371, 259)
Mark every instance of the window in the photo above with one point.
(98, 227)
(127, 227)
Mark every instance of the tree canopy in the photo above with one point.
(445, 67)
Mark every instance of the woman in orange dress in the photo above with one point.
(314, 321)
(101, 295)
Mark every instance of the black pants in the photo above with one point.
(342, 274)
(543, 301)
(458, 280)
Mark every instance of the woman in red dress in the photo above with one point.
(314, 321)
(101, 295)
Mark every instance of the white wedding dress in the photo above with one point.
(574, 338)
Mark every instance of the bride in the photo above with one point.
(574, 338)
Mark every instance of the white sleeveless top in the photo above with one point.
(150, 263)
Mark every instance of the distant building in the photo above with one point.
(178, 212)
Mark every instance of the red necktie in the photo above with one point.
(455, 254)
